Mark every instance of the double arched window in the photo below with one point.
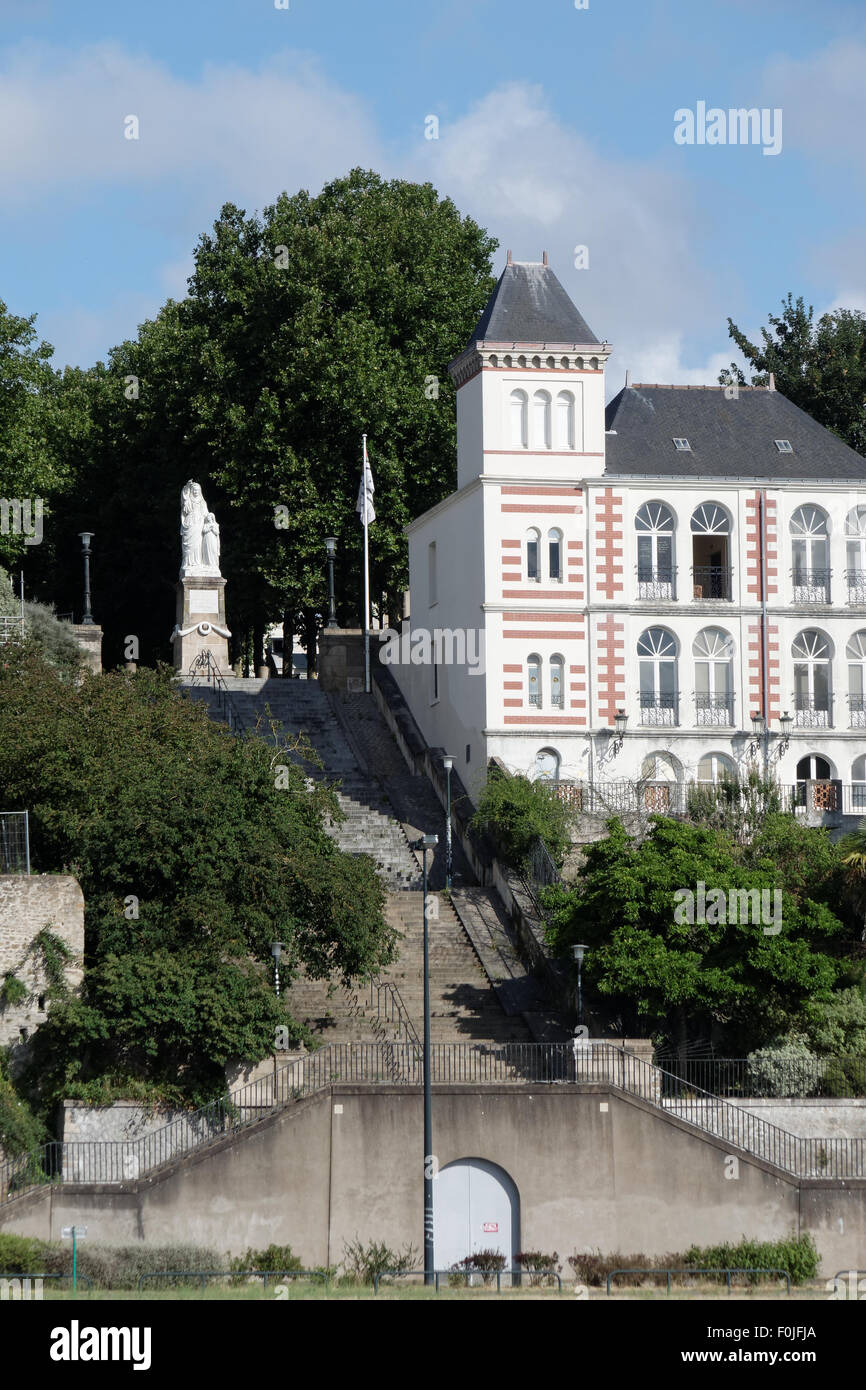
(713, 650)
(550, 424)
(553, 556)
(535, 681)
(810, 554)
(655, 526)
(657, 664)
(812, 652)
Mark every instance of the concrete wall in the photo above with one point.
(593, 1170)
(29, 902)
(813, 1119)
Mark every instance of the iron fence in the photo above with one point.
(767, 1078)
(14, 842)
(11, 629)
(712, 581)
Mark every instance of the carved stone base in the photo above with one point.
(201, 623)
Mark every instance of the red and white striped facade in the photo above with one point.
(581, 629)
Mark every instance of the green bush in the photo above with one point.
(23, 1255)
(537, 1264)
(797, 1255)
(592, 1267)
(119, 1266)
(276, 1257)
(516, 812)
(362, 1263)
(20, 1130)
(787, 1069)
(483, 1262)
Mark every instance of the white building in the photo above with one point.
(688, 557)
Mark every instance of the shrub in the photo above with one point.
(797, 1255)
(537, 1264)
(788, 1068)
(23, 1255)
(119, 1266)
(516, 812)
(592, 1268)
(362, 1263)
(483, 1262)
(276, 1257)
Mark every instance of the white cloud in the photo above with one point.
(824, 102)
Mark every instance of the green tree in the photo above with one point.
(659, 971)
(194, 852)
(516, 812)
(821, 366)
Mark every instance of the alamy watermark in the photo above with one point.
(444, 646)
(25, 514)
(736, 126)
(736, 907)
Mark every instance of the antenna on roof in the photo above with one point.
(544, 258)
(509, 258)
(772, 385)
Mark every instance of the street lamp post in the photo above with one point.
(331, 548)
(427, 842)
(276, 952)
(578, 952)
(448, 763)
(86, 537)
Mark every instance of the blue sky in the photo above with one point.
(555, 130)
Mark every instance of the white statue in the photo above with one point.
(210, 544)
(199, 534)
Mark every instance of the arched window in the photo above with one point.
(655, 527)
(661, 775)
(547, 765)
(812, 653)
(533, 680)
(858, 784)
(810, 552)
(711, 569)
(657, 662)
(565, 420)
(557, 682)
(856, 654)
(855, 531)
(533, 555)
(716, 767)
(554, 554)
(713, 650)
(541, 420)
(519, 421)
(822, 794)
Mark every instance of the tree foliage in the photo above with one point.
(516, 812)
(192, 862)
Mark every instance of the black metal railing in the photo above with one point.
(811, 586)
(712, 581)
(659, 711)
(857, 711)
(856, 581)
(656, 582)
(813, 711)
(715, 710)
(766, 1077)
(206, 670)
(14, 842)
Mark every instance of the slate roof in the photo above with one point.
(728, 438)
(529, 305)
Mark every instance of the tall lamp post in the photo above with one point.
(86, 537)
(276, 952)
(578, 952)
(448, 763)
(427, 842)
(331, 548)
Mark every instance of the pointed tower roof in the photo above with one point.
(529, 305)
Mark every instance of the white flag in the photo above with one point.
(365, 493)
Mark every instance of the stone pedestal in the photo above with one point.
(89, 638)
(341, 658)
(201, 622)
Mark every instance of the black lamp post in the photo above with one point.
(448, 763)
(331, 548)
(427, 842)
(86, 538)
(276, 952)
(578, 956)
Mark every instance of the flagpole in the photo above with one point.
(366, 575)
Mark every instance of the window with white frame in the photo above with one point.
(810, 554)
(519, 419)
(812, 652)
(533, 555)
(855, 651)
(554, 555)
(565, 420)
(716, 767)
(713, 651)
(541, 420)
(657, 665)
(557, 682)
(855, 543)
(533, 680)
(654, 524)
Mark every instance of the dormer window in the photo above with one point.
(784, 446)
(683, 446)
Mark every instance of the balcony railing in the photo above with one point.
(712, 581)
(857, 709)
(818, 796)
(658, 711)
(658, 583)
(715, 710)
(811, 586)
(813, 712)
(856, 581)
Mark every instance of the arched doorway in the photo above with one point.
(475, 1207)
(815, 788)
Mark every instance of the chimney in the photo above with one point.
(627, 377)
(509, 258)
(544, 258)
(772, 385)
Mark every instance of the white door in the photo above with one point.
(475, 1207)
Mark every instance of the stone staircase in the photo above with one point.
(385, 805)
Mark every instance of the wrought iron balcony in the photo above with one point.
(656, 583)
(811, 586)
(813, 711)
(857, 707)
(712, 581)
(856, 581)
(658, 711)
(715, 710)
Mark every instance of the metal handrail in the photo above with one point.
(205, 1274)
(468, 1274)
(728, 1272)
(204, 668)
